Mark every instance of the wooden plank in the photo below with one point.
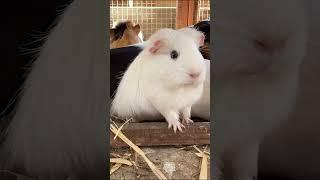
(186, 13)
(157, 134)
(182, 14)
(192, 12)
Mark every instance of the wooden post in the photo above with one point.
(193, 10)
(186, 13)
(157, 134)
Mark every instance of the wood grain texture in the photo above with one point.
(192, 13)
(186, 13)
(157, 134)
(182, 14)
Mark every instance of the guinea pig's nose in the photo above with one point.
(194, 75)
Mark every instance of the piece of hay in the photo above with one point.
(154, 169)
(185, 147)
(204, 163)
(115, 167)
(115, 155)
(200, 152)
(120, 161)
(118, 165)
(204, 167)
(119, 129)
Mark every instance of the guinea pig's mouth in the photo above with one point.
(193, 82)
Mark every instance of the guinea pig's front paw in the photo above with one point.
(175, 125)
(187, 121)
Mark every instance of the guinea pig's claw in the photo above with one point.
(187, 121)
(175, 129)
(176, 126)
(180, 127)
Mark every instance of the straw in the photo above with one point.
(204, 163)
(154, 169)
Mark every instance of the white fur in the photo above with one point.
(250, 102)
(155, 85)
(293, 148)
(201, 108)
(58, 126)
(246, 107)
(141, 37)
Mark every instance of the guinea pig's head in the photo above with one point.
(258, 49)
(258, 37)
(174, 56)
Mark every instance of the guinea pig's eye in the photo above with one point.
(174, 54)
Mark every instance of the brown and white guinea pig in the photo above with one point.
(164, 80)
(258, 51)
(125, 34)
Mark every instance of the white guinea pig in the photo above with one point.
(260, 48)
(164, 80)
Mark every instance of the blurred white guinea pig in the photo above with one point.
(164, 80)
(256, 71)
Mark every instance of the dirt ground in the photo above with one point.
(174, 162)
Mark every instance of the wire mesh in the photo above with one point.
(203, 10)
(150, 14)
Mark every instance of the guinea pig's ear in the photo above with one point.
(198, 36)
(160, 42)
(201, 39)
(129, 24)
(136, 29)
(156, 46)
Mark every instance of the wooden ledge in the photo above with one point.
(157, 134)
